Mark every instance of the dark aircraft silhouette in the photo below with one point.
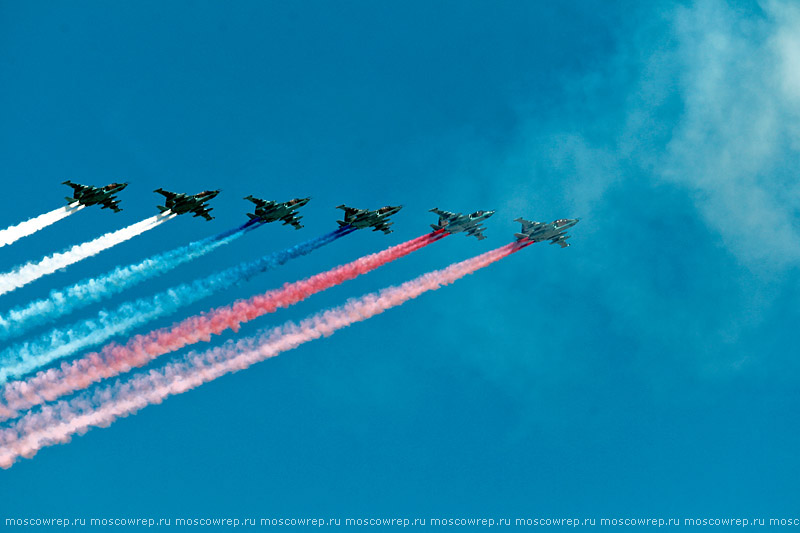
(89, 195)
(364, 218)
(538, 231)
(269, 211)
(180, 203)
(456, 222)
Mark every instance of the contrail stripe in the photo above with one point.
(56, 423)
(20, 359)
(29, 272)
(31, 226)
(62, 302)
(113, 359)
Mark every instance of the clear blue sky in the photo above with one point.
(649, 369)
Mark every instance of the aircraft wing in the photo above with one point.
(258, 201)
(293, 220)
(348, 211)
(111, 203)
(383, 226)
(200, 212)
(349, 214)
(444, 214)
(168, 195)
(528, 225)
(77, 187)
(477, 233)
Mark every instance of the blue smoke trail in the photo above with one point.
(61, 302)
(23, 358)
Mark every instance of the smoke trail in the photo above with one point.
(57, 422)
(29, 272)
(18, 360)
(114, 359)
(29, 227)
(61, 302)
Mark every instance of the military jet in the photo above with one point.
(269, 211)
(456, 222)
(180, 203)
(364, 218)
(89, 195)
(539, 231)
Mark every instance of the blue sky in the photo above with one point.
(649, 369)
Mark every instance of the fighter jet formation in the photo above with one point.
(456, 222)
(286, 212)
(269, 211)
(90, 195)
(180, 203)
(364, 218)
(29, 379)
(555, 231)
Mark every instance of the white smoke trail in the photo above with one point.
(61, 302)
(24, 274)
(29, 227)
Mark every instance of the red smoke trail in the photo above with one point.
(115, 359)
(58, 422)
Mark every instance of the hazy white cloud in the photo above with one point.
(710, 104)
(732, 146)
(680, 153)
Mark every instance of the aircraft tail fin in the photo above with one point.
(162, 208)
(252, 216)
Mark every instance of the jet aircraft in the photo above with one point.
(180, 203)
(89, 195)
(538, 231)
(456, 222)
(269, 211)
(364, 218)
